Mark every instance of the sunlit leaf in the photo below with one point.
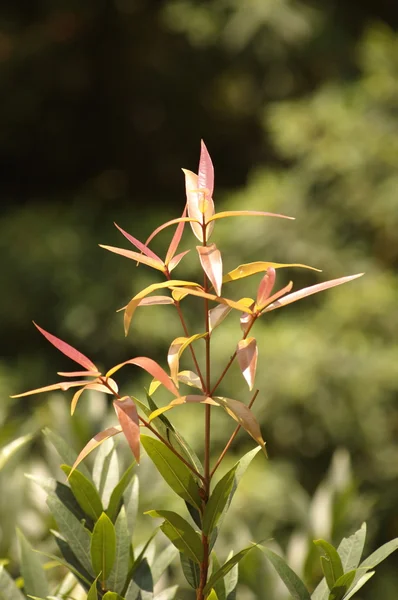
(342, 585)
(331, 565)
(68, 350)
(360, 583)
(175, 261)
(211, 261)
(200, 205)
(217, 315)
(258, 267)
(308, 291)
(67, 454)
(182, 400)
(118, 491)
(180, 533)
(85, 493)
(8, 451)
(296, 587)
(218, 500)
(247, 354)
(139, 245)
(103, 548)
(274, 297)
(8, 589)
(127, 415)
(168, 224)
(141, 258)
(162, 561)
(205, 170)
(99, 387)
(244, 416)
(234, 560)
(79, 373)
(172, 249)
(237, 305)
(62, 385)
(92, 592)
(151, 367)
(176, 349)
(245, 213)
(119, 571)
(95, 442)
(266, 286)
(35, 581)
(190, 378)
(152, 300)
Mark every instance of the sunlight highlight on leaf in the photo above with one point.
(140, 258)
(176, 349)
(211, 261)
(244, 416)
(217, 315)
(172, 249)
(248, 269)
(245, 213)
(190, 378)
(237, 305)
(152, 367)
(247, 354)
(127, 415)
(183, 400)
(139, 245)
(62, 385)
(90, 386)
(95, 442)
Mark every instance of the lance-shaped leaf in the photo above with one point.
(274, 297)
(296, 587)
(95, 442)
(139, 245)
(68, 350)
(174, 472)
(182, 400)
(153, 300)
(103, 548)
(127, 415)
(244, 416)
(247, 354)
(234, 560)
(217, 315)
(168, 224)
(176, 349)
(35, 581)
(175, 261)
(236, 304)
(248, 269)
(245, 213)
(99, 387)
(79, 373)
(200, 205)
(8, 588)
(211, 261)
(172, 249)
(190, 378)
(62, 385)
(308, 291)
(85, 493)
(218, 500)
(342, 586)
(134, 302)
(140, 258)
(331, 563)
(8, 451)
(118, 574)
(118, 491)
(151, 367)
(191, 571)
(360, 583)
(266, 286)
(206, 170)
(180, 533)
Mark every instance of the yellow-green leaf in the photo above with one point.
(244, 416)
(258, 267)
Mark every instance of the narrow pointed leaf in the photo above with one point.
(296, 587)
(327, 570)
(182, 400)
(191, 571)
(127, 415)
(237, 305)
(99, 387)
(176, 349)
(212, 595)
(245, 213)
(139, 245)
(9, 450)
(151, 367)
(92, 592)
(234, 560)
(106, 470)
(200, 205)
(140, 258)
(168, 224)
(360, 583)
(180, 533)
(35, 581)
(247, 354)
(172, 249)
(275, 296)
(141, 587)
(103, 547)
(173, 471)
(218, 500)
(248, 269)
(95, 442)
(244, 416)
(167, 594)
(119, 571)
(266, 286)
(217, 315)
(336, 568)
(79, 374)
(112, 596)
(162, 562)
(130, 501)
(62, 385)
(342, 586)
(190, 378)
(211, 261)
(153, 300)
(206, 170)
(68, 350)
(84, 492)
(8, 589)
(314, 289)
(118, 491)
(65, 452)
(219, 586)
(175, 261)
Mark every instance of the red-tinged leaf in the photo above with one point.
(168, 224)
(175, 261)
(210, 259)
(134, 302)
(237, 305)
(94, 443)
(217, 315)
(79, 373)
(152, 300)
(258, 267)
(266, 286)
(151, 367)
(63, 386)
(190, 378)
(127, 415)
(178, 295)
(145, 260)
(200, 205)
(245, 321)
(68, 350)
(142, 247)
(182, 400)
(206, 170)
(246, 213)
(176, 349)
(308, 291)
(275, 296)
(244, 416)
(99, 387)
(247, 354)
(172, 249)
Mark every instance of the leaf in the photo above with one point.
(168, 224)
(62, 385)
(92, 593)
(192, 398)
(217, 315)
(200, 205)
(66, 453)
(152, 367)
(176, 349)
(162, 561)
(245, 213)
(84, 492)
(342, 585)
(117, 577)
(234, 560)
(180, 533)
(8, 589)
(140, 258)
(266, 286)
(219, 586)
(308, 291)
(379, 555)
(153, 300)
(175, 261)
(211, 261)
(99, 387)
(68, 350)
(237, 305)
(69, 562)
(112, 596)
(247, 354)
(296, 587)
(360, 583)
(173, 471)
(231, 583)
(106, 470)
(77, 536)
(127, 415)
(276, 296)
(217, 501)
(8, 451)
(191, 571)
(117, 493)
(94, 443)
(212, 595)
(190, 378)
(249, 269)
(139, 245)
(334, 570)
(130, 500)
(79, 373)
(206, 170)
(172, 249)
(244, 416)
(141, 587)
(35, 582)
(103, 547)
(167, 594)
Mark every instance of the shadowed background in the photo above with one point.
(100, 107)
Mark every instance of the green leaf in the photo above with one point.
(191, 571)
(112, 596)
(342, 585)
(231, 583)
(66, 453)
(8, 451)
(162, 561)
(92, 592)
(296, 587)
(8, 589)
(180, 533)
(234, 560)
(84, 492)
(106, 470)
(218, 500)
(360, 583)
(141, 587)
(219, 586)
(333, 568)
(168, 593)
(117, 494)
(77, 536)
(379, 555)
(35, 582)
(117, 577)
(174, 472)
(130, 500)
(103, 547)
(212, 595)
(64, 563)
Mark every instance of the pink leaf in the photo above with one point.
(308, 291)
(139, 244)
(182, 400)
(127, 415)
(145, 260)
(152, 300)
(63, 386)
(247, 354)
(210, 259)
(151, 367)
(266, 286)
(176, 260)
(79, 373)
(94, 443)
(168, 224)
(217, 315)
(206, 170)
(277, 295)
(244, 416)
(68, 350)
(245, 213)
(90, 386)
(176, 239)
(190, 378)
(200, 205)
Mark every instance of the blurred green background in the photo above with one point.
(101, 105)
